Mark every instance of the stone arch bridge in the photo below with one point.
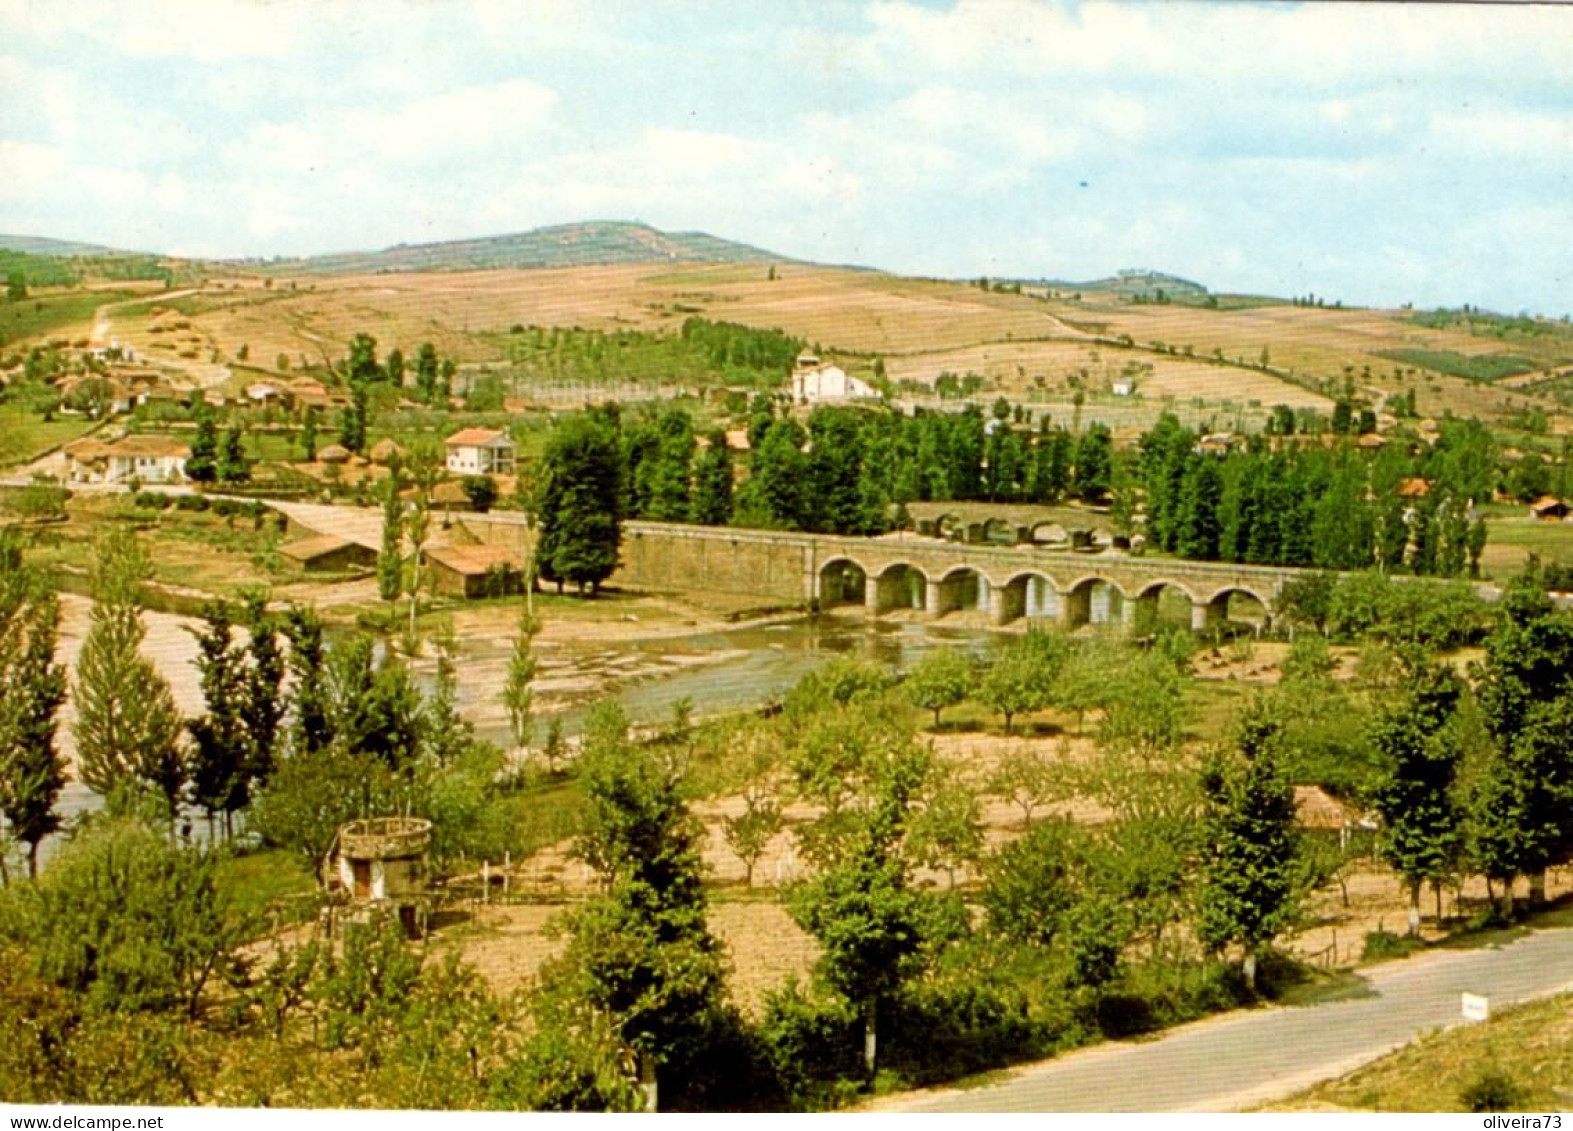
(927, 575)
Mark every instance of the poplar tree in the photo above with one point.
(1250, 844)
(127, 729)
(580, 504)
(1417, 742)
(32, 770)
(712, 505)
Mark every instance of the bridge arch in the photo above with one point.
(1094, 599)
(1232, 605)
(842, 581)
(1001, 532)
(962, 588)
(1162, 601)
(899, 585)
(1050, 533)
(1032, 595)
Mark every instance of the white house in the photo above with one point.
(151, 459)
(814, 381)
(480, 451)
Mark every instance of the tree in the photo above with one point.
(1251, 846)
(219, 760)
(941, 679)
(202, 463)
(127, 729)
(353, 420)
(1520, 802)
(1094, 464)
(481, 491)
(395, 367)
(749, 833)
(1418, 744)
(133, 923)
(233, 466)
(390, 558)
(426, 372)
(1021, 678)
(32, 771)
(581, 519)
(1027, 778)
(1032, 883)
(361, 367)
(876, 933)
(712, 505)
(308, 436)
(641, 954)
(517, 695)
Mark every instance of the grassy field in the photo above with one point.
(1023, 343)
(1530, 1048)
(41, 315)
(25, 435)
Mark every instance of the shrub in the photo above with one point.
(1382, 944)
(1492, 1090)
(192, 502)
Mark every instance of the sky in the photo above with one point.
(1377, 153)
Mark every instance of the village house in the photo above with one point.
(814, 381)
(151, 459)
(328, 554)
(475, 571)
(480, 451)
(1549, 508)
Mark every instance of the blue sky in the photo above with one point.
(1382, 153)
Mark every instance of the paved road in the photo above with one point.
(1256, 1056)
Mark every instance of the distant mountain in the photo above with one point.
(593, 244)
(1137, 281)
(38, 245)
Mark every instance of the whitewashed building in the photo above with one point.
(814, 381)
(480, 451)
(151, 459)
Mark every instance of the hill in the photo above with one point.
(592, 244)
(40, 245)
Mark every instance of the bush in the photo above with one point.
(192, 502)
(938, 1032)
(1492, 1090)
(1385, 944)
(810, 1044)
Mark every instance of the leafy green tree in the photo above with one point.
(1521, 800)
(308, 435)
(312, 794)
(1201, 494)
(777, 491)
(310, 729)
(1094, 464)
(32, 771)
(1027, 777)
(233, 466)
(219, 761)
(749, 833)
(132, 923)
(641, 954)
(1021, 677)
(361, 367)
(580, 508)
(127, 728)
(946, 830)
(1032, 884)
(712, 504)
(426, 368)
(1418, 744)
(518, 696)
(875, 931)
(390, 558)
(941, 679)
(1251, 856)
(395, 367)
(202, 463)
(481, 491)
(354, 420)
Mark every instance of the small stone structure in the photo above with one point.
(382, 861)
